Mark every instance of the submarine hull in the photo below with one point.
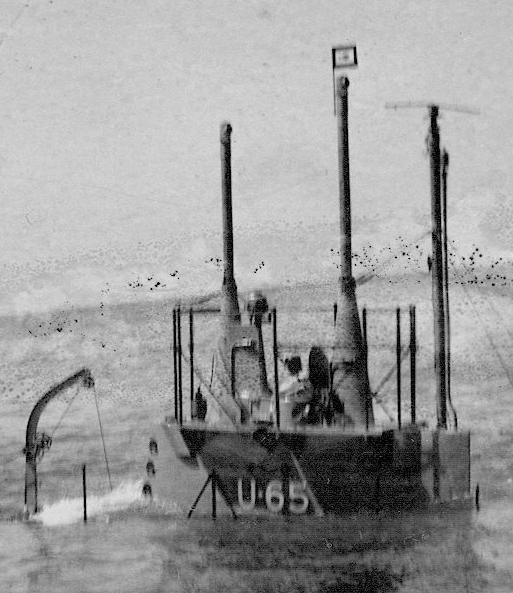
(321, 470)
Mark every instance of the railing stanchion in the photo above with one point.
(275, 357)
(398, 356)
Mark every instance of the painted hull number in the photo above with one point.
(272, 496)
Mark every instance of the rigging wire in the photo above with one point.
(61, 418)
(445, 275)
(489, 300)
(394, 254)
(381, 404)
(212, 370)
(102, 437)
(360, 280)
(390, 373)
(209, 389)
(490, 339)
(66, 410)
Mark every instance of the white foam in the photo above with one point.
(70, 510)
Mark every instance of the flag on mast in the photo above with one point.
(344, 56)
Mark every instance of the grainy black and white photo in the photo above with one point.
(256, 296)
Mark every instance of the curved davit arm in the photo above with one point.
(31, 444)
(30, 439)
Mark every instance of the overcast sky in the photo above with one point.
(109, 125)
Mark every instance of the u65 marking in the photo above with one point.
(274, 496)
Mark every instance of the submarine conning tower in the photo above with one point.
(350, 377)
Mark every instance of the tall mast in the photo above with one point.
(437, 268)
(439, 278)
(350, 379)
(229, 306)
(344, 188)
(445, 167)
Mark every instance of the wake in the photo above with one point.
(70, 510)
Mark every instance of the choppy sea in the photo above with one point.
(130, 544)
